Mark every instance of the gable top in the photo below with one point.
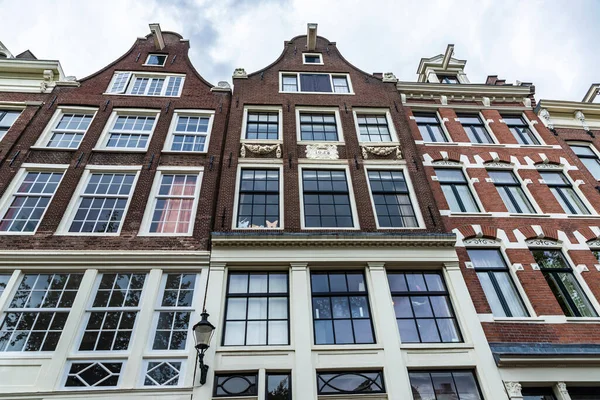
(441, 64)
(26, 55)
(4, 52)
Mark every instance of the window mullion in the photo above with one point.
(499, 292)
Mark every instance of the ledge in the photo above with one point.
(340, 239)
(545, 354)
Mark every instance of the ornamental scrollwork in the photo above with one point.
(381, 151)
(480, 242)
(446, 162)
(513, 389)
(549, 166)
(562, 387)
(594, 243)
(260, 149)
(541, 242)
(499, 165)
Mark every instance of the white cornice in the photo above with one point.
(467, 90)
(28, 66)
(561, 106)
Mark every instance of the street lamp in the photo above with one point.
(203, 332)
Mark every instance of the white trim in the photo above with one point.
(353, 208)
(256, 165)
(331, 74)
(376, 111)
(411, 194)
(145, 64)
(320, 110)
(117, 112)
(9, 193)
(515, 172)
(188, 113)
(45, 137)
(250, 108)
(69, 214)
(314, 55)
(151, 202)
(180, 381)
(474, 193)
(69, 362)
(133, 75)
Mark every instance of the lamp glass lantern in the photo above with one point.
(203, 333)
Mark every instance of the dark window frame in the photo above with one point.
(270, 124)
(383, 192)
(573, 310)
(581, 157)
(427, 125)
(312, 124)
(251, 391)
(455, 192)
(379, 381)
(497, 288)
(470, 127)
(254, 193)
(451, 371)
(427, 293)
(522, 132)
(448, 79)
(275, 373)
(516, 184)
(559, 191)
(321, 192)
(348, 294)
(249, 295)
(362, 120)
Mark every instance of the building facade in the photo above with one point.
(351, 236)
(524, 209)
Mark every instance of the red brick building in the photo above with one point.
(525, 210)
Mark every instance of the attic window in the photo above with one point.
(158, 60)
(448, 79)
(313, 59)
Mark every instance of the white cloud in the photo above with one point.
(551, 44)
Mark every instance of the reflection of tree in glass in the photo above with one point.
(281, 392)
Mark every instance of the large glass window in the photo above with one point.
(290, 83)
(279, 386)
(69, 130)
(7, 119)
(103, 203)
(448, 79)
(497, 284)
(258, 205)
(456, 190)
(583, 393)
(4, 278)
(589, 158)
(564, 193)
(444, 385)
(326, 199)
(341, 308)
(257, 309)
(563, 283)
(30, 201)
(530, 393)
(262, 125)
(315, 83)
(141, 84)
(163, 372)
(350, 382)
(173, 204)
(520, 129)
(190, 133)
(392, 199)
(112, 316)
(373, 128)
(236, 385)
(512, 193)
(38, 311)
(475, 128)
(318, 127)
(430, 127)
(94, 374)
(173, 313)
(130, 132)
(423, 309)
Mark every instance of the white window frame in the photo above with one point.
(319, 110)
(98, 355)
(376, 111)
(48, 131)
(133, 75)
(249, 109)
(182, 372)
(6, 199)
(331, 74)
(589, 145)
(69, 362)
(236, 201)
(312, 55)
(353, 208)
(11, 107)
(155, 65)
(188, 113)
(101, 145)
(167, 170)
(65, 223)
(411, 194)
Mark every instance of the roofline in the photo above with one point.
(465, 89)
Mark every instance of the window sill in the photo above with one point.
(346, 347)
(379, 144)
(528, 215)
(148, 234)
(580, 216)
(253, 349)
(87, 234)
(279, 228)
(262, 141)
(184, 152)
(584, 320)
(487, 144)
(26, 355)
(340, 94)
(437, 143)
(307, 142)
(17, 233)
(328, 229)
(529, 146)
(519, 319)
(464, 214)
(119, 150)
(54, 148)
(435, 346)
(139, 95)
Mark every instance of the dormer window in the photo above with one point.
(157, 60)
(315, 83)
(448, 79)
(146, 84)
(313, 58)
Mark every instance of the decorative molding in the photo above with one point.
(581, 117)
(486, 101)
(240, 73)
(594, 243)
(562, 388)
(518, 267)
(322, 151)
(499, 165)
(480, 242)
(546, 165)
(446, 162)
(513, 389)
(469, 264)
(381, 151)
(389, 77)
(582, 268)
(535, 266)
(260, 149)
(541, 242)
(545, 115)
(222, 86)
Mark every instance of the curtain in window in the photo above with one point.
(176, 214)
(315, 83)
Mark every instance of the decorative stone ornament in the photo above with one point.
(581, 117)
(562, 388)
(240, 73)
(513, 389)
(260, 149)
(322, 151)
(546, 117)
(382, 151)
(389, 77)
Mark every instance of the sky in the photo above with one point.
(553, 44)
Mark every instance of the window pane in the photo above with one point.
(278, 386)
(315, 83)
